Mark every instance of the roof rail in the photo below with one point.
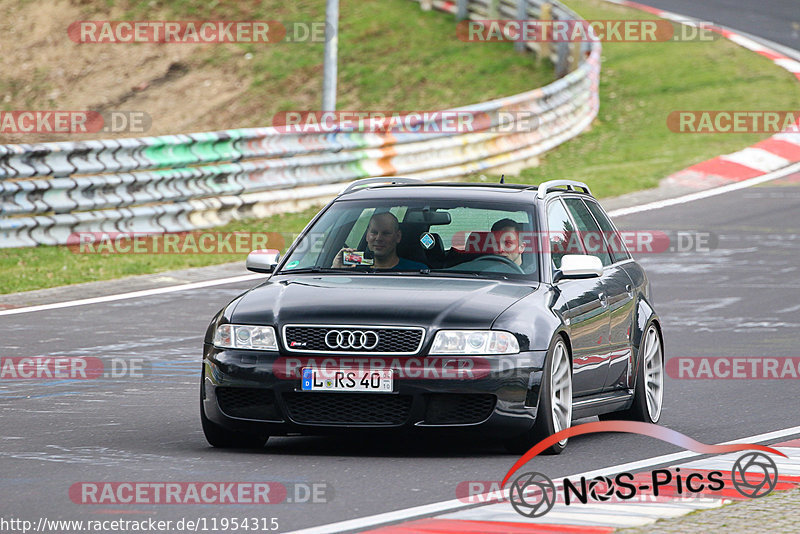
(572, 185)
(380, 180)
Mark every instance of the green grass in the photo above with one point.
(386, 65)
(47, 266)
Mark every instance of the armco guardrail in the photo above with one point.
(182, 182)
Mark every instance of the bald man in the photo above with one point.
(383, 236)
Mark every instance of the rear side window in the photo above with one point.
(618, 250)
(591, 235)
(562, 234)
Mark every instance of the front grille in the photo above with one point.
(247, 403)
(390, 340)
(458, 409)
(348, 408)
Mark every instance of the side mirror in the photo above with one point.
(262, 261)
(579, 266)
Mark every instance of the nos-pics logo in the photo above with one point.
(533, 494)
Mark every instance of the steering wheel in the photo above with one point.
(497, 259)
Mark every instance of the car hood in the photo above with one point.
(378, 300)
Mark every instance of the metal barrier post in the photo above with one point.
(562, 63)
(461, 9)
(522, 15)
(329, 73)
(546, 13)
(575, 55)
(562, 55)
(494, 9)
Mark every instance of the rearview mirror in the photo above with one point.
(262, 261)
(580, 266)
(432, 218)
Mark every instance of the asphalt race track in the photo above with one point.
(776, 20)
(741, 299)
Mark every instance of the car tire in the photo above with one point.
(648, 397)
(554, 411)
(222, 438)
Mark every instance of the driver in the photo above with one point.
(383, 236)
(506, 232)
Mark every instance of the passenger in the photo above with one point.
(383, 236)
(506, 233)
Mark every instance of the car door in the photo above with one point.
(580, 304)
(617, 286)
(620, 372)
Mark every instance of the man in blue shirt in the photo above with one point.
(383, 236)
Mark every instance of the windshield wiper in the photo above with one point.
(315, 270)
(448, 272)
(410, 271)
(432, 272)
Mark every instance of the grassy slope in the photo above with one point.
(392, 56)
(628, 147)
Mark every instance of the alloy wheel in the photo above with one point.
(653, 373)
(561, 389)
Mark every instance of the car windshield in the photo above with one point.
(423, 238)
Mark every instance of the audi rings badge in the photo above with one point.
(352, 339)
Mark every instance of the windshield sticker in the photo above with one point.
(356, 258)
(427, 240)
(292, 264)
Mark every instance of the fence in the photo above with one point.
(182, 182)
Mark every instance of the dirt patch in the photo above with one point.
(174, 83)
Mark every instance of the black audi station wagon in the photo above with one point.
(508, 310)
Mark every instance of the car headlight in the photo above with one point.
(234, 336)
(474, 342)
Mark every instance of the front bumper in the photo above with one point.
(259, 392)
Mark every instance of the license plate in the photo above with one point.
(373, 381)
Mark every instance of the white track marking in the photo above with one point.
(599, 514)
(788, 137)
(133, 294)
(585, 515)
(789, 64)
(747, 43)
(744, 184)
(757, 158)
